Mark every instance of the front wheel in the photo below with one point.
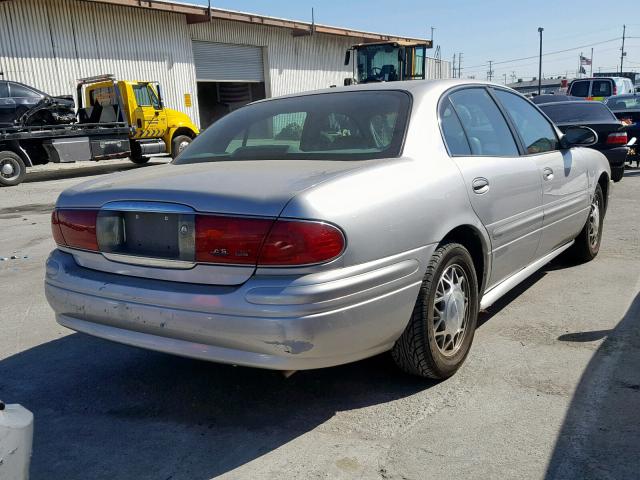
(179, 144)
(587, 244)
(438, 337)
(12, 169)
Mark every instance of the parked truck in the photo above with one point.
(115, 119)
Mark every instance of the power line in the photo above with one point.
(502, 62)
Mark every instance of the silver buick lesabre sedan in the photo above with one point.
(322, 228)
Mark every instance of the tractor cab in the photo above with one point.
(387, 61)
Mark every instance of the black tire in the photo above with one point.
(617, 173)
(178, 144)
(417, 351)
(141, 160)
(10, 160)
(587, 246)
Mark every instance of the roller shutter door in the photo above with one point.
(225, 62)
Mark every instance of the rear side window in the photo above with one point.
(4, 90)
(22, 91)
(580, 88)
(484, 124)
(330, 126)
(592, 112)
(536, 132)
(601, 88)
(452, 130)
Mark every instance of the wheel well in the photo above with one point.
(183, 131)
(604, 185)
(469, 237)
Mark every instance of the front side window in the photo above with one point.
(332, 126)
(580, 88)
(4, 90)
(485, 126)
(601, 88)
(21, 91)
(536, 132)
(141, 93)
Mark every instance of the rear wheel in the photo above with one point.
(617, 173)
(587, 243)
(439, 334)
(12, 169)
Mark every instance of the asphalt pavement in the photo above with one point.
(551, 389)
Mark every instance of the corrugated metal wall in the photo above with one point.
(51, 43)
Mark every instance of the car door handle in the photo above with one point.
(547, 174)
(480, 185)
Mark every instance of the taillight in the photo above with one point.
(293, 242)
(618, 138)
(251, 241)
(230, 239)
(75, 228)
(615, 89)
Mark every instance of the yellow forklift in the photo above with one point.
(387, 61)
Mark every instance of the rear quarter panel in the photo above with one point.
(397, 205)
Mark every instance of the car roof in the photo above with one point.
(415, 87)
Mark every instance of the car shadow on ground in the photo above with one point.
(98, 168)
(600, 436)
(104, 410)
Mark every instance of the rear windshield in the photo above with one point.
(601, 88)
(592, 112)
(580, 89)
(624, 103)
(329, 126)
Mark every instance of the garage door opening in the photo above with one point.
(216, 99)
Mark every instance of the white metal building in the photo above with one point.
(207, 61)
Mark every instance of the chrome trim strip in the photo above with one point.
(490, 297)
(149, 261)
(145, 206)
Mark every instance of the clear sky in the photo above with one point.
(497, 30)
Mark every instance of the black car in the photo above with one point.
(23, 105)
(627, 109)
(552, 98)
(612, 134)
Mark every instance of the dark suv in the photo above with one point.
(21, 104)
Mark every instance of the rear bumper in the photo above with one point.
(286, 323)
(616, 156)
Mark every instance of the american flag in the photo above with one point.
(585, 60)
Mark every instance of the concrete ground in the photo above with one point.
(550, 390)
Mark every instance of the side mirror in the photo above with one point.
(578, 137)
(347, 57)
(348, 81)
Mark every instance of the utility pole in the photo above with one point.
(505, 78)
(454, 65)
(591, 69)
(513, 77)
(622, 52)
(540, 30)
(490, 72)
(460, 65)
(432, 29)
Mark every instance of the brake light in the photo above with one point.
(229, 239)
(618, 138)
(75, 228)
(251, 241)
(293, 242)
(615, 89)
